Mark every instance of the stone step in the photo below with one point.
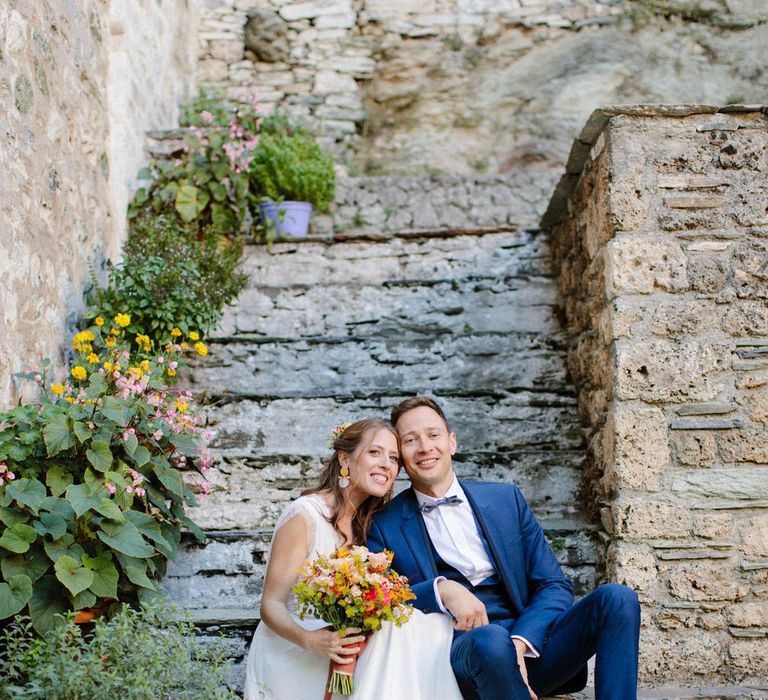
(225, 574)
(399, 261)
(371, 366)
(250, 492)
(452, 306)
(387, 203)
(483, 423)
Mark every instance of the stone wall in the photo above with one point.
(306, 56)
(660, 230)
(152, 63)
(76, 97)
(478, 86)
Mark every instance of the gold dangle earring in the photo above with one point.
(343, 476)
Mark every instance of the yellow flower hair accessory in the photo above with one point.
(336, 433)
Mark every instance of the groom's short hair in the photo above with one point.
(416, 402)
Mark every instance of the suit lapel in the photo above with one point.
(498, 529)
(415, 534)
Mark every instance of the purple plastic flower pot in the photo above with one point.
(290, 218)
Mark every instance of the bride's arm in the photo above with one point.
(289, 550)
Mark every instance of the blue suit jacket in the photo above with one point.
(537, 587)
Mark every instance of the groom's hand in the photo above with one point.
(521, 647)
(467, 609)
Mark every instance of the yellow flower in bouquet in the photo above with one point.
(353, 588)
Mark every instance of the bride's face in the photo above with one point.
(372, 466)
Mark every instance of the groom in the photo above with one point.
(475, 552)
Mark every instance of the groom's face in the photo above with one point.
(426, 448)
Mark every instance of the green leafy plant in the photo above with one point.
(132, 655)
(207, 108)
(207, 184)
(293, 168)
(170, 277)
(92, 499)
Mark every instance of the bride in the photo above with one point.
(289, 657)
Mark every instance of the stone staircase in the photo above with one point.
(377, 304)
(343, 325)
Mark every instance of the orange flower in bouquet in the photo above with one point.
(353, 588)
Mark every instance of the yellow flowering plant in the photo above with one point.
(170, 285)
(92, 499)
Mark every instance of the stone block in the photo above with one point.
(684, 317)
(228, 556)
(641, 266)
(743, 483)
(750, 269)
(695, 201)
(668, 656)
(757, 405)
(693, 448)
(749, 659)
(329, 82)
(643, 518)
(752, 532)
(749, 444)
(635, 566)
(665, 370)
(752, 380)
(743, 319)
(636, 447)
(626, 315)
(225, 50)
(748, 615)
(704, 581)
(706, 273)
(713, 525)
(309, 10)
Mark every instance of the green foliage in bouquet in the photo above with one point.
(171, 277)
(293, 168)
(92, 499)
(132, 655)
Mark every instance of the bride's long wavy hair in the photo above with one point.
(348, 441)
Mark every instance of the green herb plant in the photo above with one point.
(293, 168)
(131, 655)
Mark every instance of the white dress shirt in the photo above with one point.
(453, 531)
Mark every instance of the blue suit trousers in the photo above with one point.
(606, 623)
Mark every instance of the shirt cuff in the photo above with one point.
(531, 653)
(437, 595)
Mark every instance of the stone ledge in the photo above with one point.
(595, 126)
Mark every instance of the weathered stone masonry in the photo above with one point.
(660, 231)
(75, 101)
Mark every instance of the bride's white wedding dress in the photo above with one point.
(412, 661)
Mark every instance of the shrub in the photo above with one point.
(92, 499)
(293, 168)
(134, 655)
(207, 184)
(171, 277)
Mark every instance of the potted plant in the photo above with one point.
(292, 174)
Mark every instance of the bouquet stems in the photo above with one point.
(341, 677)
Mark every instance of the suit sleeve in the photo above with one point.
(424, 590)
(549, 591)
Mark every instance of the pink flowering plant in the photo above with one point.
(207, 182)
(93, 493)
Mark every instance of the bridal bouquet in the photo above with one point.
(353, 588)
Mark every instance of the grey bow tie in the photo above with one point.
(447, 501)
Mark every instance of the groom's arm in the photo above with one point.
(549, 591)
(425, 591)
